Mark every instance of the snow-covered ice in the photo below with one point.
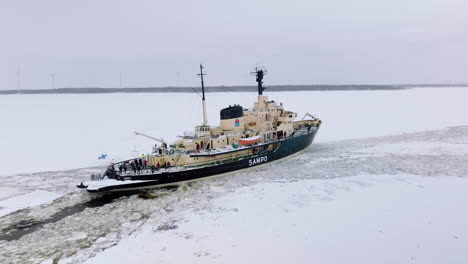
(7, 191)
(372, 189)
(26, 200)
(333, 197)
(363, 219)
(59, 132)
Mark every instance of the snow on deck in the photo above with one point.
(94, 185)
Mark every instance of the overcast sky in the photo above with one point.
(89, 42)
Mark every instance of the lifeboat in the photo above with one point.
(249, 141)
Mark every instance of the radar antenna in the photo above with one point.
(259, 73)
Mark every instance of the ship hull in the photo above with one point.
(287, 148)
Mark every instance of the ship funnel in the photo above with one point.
(232, 118)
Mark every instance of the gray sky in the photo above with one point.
(89, 42)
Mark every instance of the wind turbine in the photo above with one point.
(52, 76)
(177, 79)
(18, 79)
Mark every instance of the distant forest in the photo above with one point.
(220, 89)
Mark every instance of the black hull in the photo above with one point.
(287, 147)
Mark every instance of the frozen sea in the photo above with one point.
(385, 182)
(58, 132)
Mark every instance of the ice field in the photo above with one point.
(56, 132)
(384, 182)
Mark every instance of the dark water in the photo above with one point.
(25, 227)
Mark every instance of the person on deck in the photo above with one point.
(137, 166)
(125, 168)
(108, 172)
(145, 163)
(140, 162)
(120, 169)
(158, 166)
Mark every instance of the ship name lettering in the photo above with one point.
(258, 160)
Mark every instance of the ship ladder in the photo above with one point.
(177, 160)
(274, 124)
(206, 144)
(306, 115)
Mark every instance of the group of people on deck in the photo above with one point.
(284, 135)
(137, 166)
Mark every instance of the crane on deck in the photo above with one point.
(160, 140)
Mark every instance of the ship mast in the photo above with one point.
(259, 73)
(201, 74)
